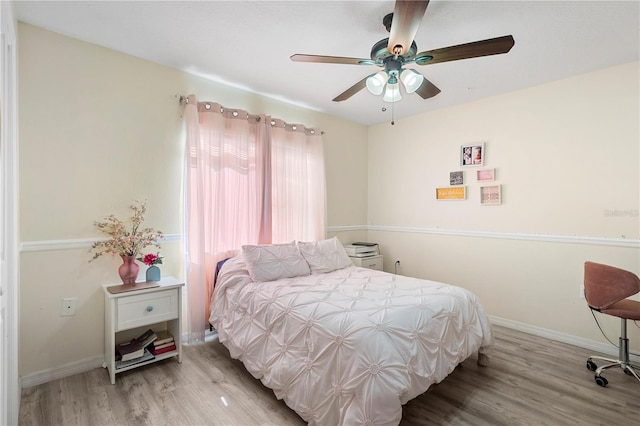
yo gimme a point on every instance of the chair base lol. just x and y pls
(628, 368)
(622, 361)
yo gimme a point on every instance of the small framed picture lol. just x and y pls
(449, 193)
(491, 195)
(472, 155)
(456, 178)
(486, 174)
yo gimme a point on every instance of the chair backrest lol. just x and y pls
(605, 285)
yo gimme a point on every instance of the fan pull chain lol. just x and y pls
(384, 109)
(393, 122)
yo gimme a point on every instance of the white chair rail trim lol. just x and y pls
(570, 239)
(72, 244)
(46, 245)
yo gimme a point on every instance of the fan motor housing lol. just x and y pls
(379, 52)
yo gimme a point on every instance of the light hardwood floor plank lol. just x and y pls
(530, 381)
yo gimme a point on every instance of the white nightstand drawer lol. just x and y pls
(143, 309)
(371, 262)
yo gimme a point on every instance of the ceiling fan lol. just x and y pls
(399, 49)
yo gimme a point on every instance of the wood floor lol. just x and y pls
(530, 381)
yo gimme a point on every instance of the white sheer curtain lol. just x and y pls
(224, 197)
(297, 184)
(249, 180)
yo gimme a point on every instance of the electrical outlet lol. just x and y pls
(581, 291)
(398, 264)
(68, 306)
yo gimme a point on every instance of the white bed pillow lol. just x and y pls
(274, 261)
(325, 255)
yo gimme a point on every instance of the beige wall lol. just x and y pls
(566, 154)
(99, 129)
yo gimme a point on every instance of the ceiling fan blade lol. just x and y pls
(331, 59)
(352, 90)
(427, 89)
(492, 46)
(407, 16)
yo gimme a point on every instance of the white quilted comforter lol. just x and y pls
(347, 347)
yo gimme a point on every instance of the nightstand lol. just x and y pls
(131, 313)
(371, 262)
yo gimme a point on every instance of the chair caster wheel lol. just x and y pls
(591, 366)
(601, 381)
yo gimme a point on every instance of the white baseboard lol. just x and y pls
(592, 345)
(62, 371)
(87, 364)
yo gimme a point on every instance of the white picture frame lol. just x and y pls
(456, 178)
(458, 193)
(472, 155)
(486, 175)
(491, 195)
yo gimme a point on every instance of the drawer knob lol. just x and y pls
(149, 308)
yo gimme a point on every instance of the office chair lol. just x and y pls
(606, 289)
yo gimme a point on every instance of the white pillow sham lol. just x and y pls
(325, 255)
(274, 261)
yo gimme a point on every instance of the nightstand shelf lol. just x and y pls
(130, 313)
(151, 361)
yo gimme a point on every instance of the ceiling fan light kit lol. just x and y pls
(387, 81)
(400, 49)
(411, 79)
(392, 92)
(376, 82)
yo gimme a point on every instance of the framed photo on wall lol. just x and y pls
(472, 155)
(451, 193)
(486, 174)
(456, 178)
(491, 195)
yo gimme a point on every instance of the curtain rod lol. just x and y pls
(185, 100)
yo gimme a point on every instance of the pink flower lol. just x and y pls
(151, 259)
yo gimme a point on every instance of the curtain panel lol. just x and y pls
(250, 179)
(298, 192)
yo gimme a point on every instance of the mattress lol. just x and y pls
(349, 346)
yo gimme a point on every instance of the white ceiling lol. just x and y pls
(247, 44)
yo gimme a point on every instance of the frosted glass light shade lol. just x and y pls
(375, 83)
(392, 93)
(411, 80)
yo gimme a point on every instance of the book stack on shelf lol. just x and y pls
(164, 343)
(362, 249)
(135, 351)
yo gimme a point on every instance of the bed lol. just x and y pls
(340, 344)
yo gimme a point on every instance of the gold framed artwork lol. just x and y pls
(472, 155)
(491, 195)
(451, 193)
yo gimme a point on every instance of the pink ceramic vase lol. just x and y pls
(129, 269)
